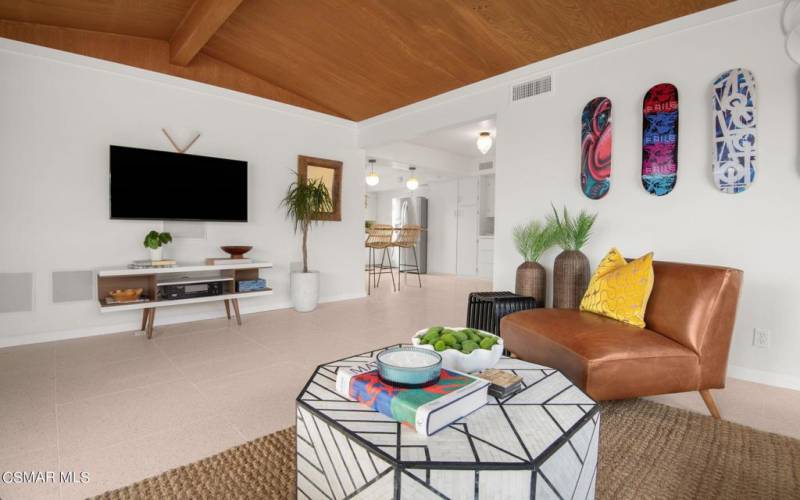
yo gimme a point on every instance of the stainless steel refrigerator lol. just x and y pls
(412, 211)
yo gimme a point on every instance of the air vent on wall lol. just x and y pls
(486, 165)
(532, 88)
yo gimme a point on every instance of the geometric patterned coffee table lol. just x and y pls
(539, 443)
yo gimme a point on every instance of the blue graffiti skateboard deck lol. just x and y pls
(735, 121)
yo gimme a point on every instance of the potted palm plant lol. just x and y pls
(532, 240)
(571, 269)
(304, 199)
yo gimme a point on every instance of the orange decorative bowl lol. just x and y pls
(127, 295)
(236, 252)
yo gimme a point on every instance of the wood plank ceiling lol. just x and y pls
(350, 58)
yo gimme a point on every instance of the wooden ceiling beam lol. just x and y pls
(201, 21)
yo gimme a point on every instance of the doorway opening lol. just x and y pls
(443, 182)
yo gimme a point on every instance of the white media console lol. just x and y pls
(151, 279)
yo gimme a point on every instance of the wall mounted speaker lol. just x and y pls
(69, 286)
(16, 292)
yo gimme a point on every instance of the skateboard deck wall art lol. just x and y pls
(596, 148)
(660, 139)
(735, 122)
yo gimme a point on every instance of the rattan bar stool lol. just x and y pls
(407, 238)
(379, 238)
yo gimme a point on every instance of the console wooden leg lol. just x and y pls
(151, 319)
(710, 403)
(236, 311)
(145, 318)
(228, 308)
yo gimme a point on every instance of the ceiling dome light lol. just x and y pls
(412, 182)
(484, 142)
(372, 178)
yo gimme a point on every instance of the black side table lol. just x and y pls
(486, 309)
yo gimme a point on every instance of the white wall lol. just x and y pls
(60, 112)
(423, 156)
(371, 210)
(537, 161)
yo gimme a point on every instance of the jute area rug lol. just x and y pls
(647, 450)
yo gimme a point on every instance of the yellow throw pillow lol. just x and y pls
(620, 290)
(611, 261)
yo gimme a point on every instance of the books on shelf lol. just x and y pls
(503, 383)
(221, 261)
(428, 409)
(146, 264)
(110, 301)
(251, 285)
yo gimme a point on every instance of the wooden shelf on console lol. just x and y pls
(112, 279)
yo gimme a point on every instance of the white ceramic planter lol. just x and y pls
(305, 291)
(156, 254)
(477, 360)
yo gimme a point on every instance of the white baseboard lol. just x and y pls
(52, 336)
(764, 377)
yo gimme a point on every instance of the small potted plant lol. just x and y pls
(532, 240)
(571, 271)
(304, 199)
(154, 241)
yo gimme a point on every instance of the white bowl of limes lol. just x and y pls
(462, 349)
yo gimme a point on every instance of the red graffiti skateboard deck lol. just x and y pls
(596, 148)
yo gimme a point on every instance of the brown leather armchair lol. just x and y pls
(689, 317)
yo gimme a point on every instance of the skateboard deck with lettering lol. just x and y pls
(660, 139)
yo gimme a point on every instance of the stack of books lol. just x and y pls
(112, 301)
(221, 261)
(251, 285)
(503, 383)
(426, 410)
(147, 264)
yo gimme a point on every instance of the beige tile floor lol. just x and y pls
(123, 408)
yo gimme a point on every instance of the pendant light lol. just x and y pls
(484, 142)
(372, 178)
(412, 183)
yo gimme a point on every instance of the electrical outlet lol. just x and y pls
(761, 338)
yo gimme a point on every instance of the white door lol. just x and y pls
(467, 247)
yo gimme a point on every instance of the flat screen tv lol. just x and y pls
(158, 185)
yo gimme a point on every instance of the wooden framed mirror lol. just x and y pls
(330, 173)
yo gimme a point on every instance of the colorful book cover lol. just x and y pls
(426, 409)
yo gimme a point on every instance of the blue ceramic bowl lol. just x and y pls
(409, 366)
